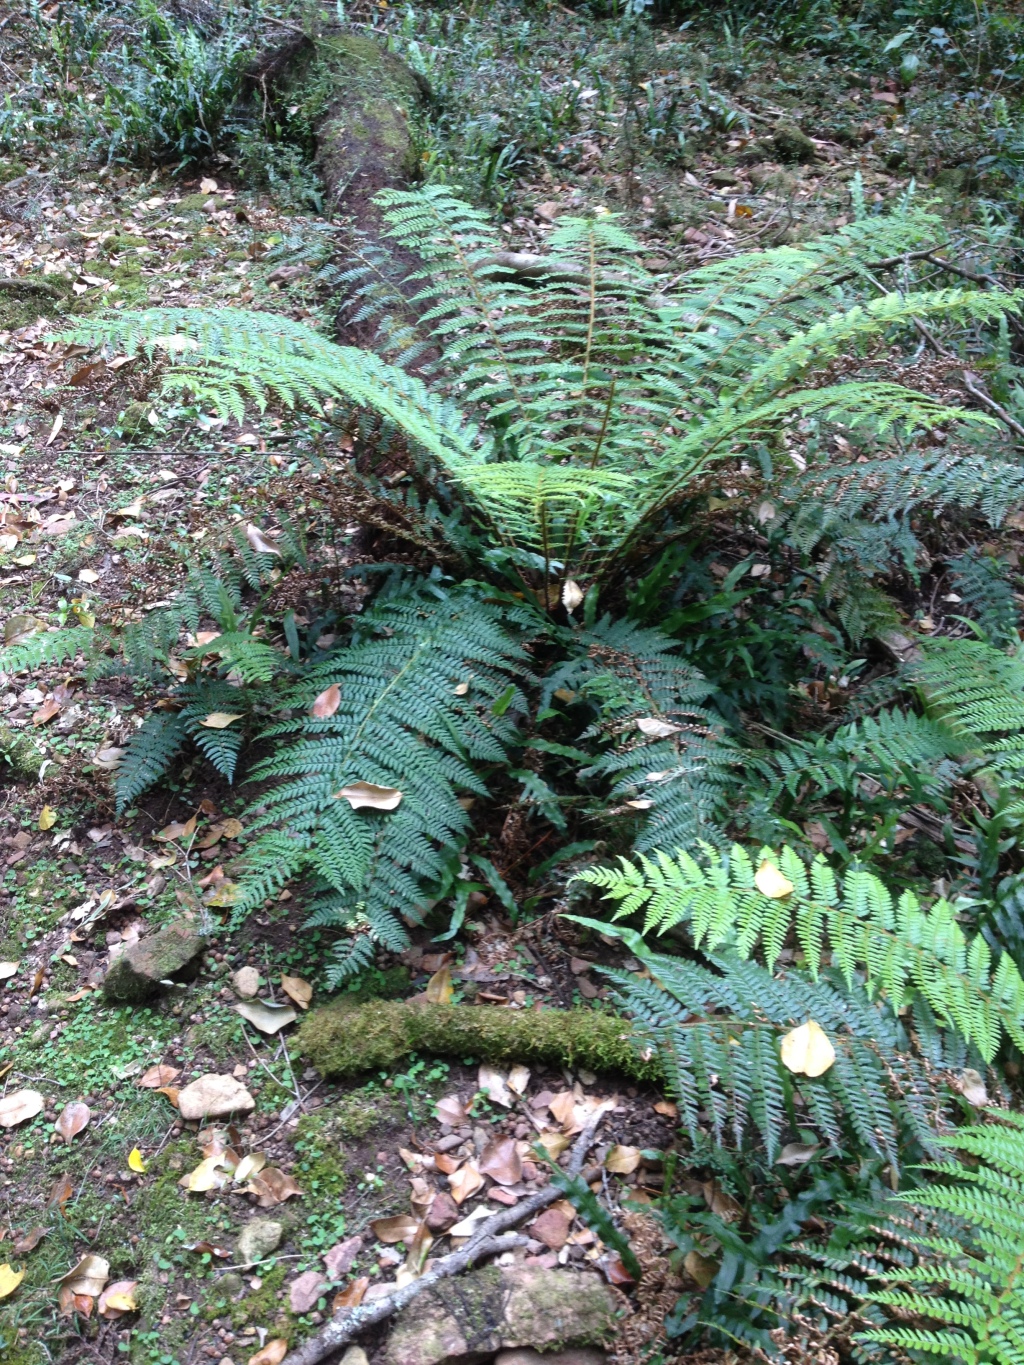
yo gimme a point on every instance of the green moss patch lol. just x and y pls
(345, 1038)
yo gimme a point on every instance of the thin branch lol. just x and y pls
(973, 386)
(491, 1239)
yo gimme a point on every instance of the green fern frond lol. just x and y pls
(48, 647)
(403, 722)
(905, 950)
(148, 755)
(970, 1286)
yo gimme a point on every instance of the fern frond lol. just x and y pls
(148, 755)
(904, 949)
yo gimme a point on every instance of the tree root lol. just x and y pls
(491, 1239)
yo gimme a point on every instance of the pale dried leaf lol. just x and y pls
(72, 1119)
(298, 990)
(500, 1160)
(327, 703)
(88, 1276)
(9, 1280)
(220, 720)
(259, 541)
(771, 883)
(807, 1050)
(623, 1160)
(439, 988)
(19, 1107)
(158, 1076)
(266, 1015)
(465, 1182)
(518, 1079)
(451, 1110)
(492, 1083)
(359, 794)
(402, 1228)
(272, 1354)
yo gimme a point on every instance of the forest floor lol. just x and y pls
(108, 489)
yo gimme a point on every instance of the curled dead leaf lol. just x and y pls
(220, 720)
(492, 1083)
(622, 1160)
(771, 882)
(349, 1297)
(272, 1187)
(117, 1299)
(29, 1241)
(259, 541)
(271, 1354)
(402, 1228)
(327, 703)
(19, 1107)
(159, 1075)
(465, 1182)
(298, 990)
(73, 1118)
(359, 794)
(88, 1276)
(451, 1110)
(266, 1015)
(439, 988)
(500, 1160)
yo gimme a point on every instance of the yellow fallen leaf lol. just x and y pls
(771, 883)
(136, 1162)
(622, 1160)
(47, 818)
(9, 1280)
(807, 1050)
(439, 988)
(220, 720)
(298, 990)
(272, 1354)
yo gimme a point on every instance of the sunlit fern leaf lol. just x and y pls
(903, 949)
(969, 1285)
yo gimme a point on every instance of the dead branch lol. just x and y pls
(486, 1241)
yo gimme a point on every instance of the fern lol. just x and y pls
(152, 749)
(575, 409)
(906, 952)
(405, 722)
(968, 1285)
(981, 580)
(718, 1035)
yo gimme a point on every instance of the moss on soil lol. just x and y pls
(344, 1039)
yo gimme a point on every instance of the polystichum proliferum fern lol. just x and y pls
(906, 951)
(426, 693)
(964, 1299)
(574, 409)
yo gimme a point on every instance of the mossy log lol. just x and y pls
(345, 1038)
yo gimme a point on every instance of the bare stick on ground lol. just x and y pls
(491, 1239)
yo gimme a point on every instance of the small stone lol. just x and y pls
(258, 1239)
(305, 1290)
(339, 1260)
(355, 1355)
(722, 179)
(500, 1196)
(443, 1212)
(214, 1097)
(246, 982)
(793, 144)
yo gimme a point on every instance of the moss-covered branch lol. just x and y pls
(346, 1038)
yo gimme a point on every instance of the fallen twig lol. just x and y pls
(486, 1241)
(974, 388)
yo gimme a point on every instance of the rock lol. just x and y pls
(723, 178)
(214, 1097)
(340, 1259)
(246, 982)
(525, 1355)
(305, 1290)
(257, 1240)
(793, 144)
(171, 954)
(443, 1212)
(231, 1285)
(505, 1308)
(355, 1355)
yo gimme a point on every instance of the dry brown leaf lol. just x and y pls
(797, 1153)
(159, 1075)
(465, 1182)
(563, 1107)
(553, 1142)
(171, 1091)
(667, 1108)
(402, 1228)
(46, 712)
(176, 830)
(273, 1187)
(351, 1296)
(298, 990)
(220, 720)
(451, 1110)
(500, 1160)
(117, 1299)
(701, 1268)
(249, 1166)
(327, 703)
(29, 1241)
(259, 541)
(19, 1107)
(212, 1173)
(492, 1083)
(519, 1079)
(623, 1160)
(359, 794)
(72, 1119)
(446, 1163)
(439, 988)
(972, 1087)
(60, 1192)
(272, 1354)
(721, 1204)
(88, 1276)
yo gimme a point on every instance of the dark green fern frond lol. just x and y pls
(983, 583)
(416, 714)
(49, 647)
(148, 755)
(905, 950)
(718, 1034)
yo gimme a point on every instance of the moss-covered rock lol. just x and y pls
(171, 954)
(19, 755)
(344, 1039)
